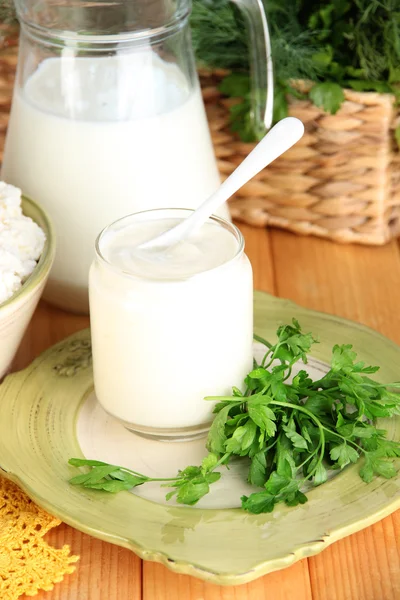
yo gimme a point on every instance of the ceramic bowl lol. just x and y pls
(16, 312)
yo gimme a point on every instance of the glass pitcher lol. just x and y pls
(107, 119)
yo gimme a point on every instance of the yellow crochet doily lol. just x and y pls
(27, 563)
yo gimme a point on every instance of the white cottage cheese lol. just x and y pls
(21, 242)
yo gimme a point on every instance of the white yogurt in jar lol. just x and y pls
(165, 335)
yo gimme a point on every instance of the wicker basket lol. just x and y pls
(341, 181)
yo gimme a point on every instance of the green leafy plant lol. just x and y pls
(335, 44)
(291, 430)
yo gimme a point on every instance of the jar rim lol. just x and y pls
(163, 212)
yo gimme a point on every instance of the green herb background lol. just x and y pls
(335, 43)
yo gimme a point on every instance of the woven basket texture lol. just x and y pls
(341, 181)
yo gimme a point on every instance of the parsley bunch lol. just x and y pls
(291, 430)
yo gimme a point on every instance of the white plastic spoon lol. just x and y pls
(279, 139)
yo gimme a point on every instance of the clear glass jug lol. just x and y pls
(107, 119)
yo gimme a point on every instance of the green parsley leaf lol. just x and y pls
(277, 483)
(297, 440)
(376, 465)
(328, 96)
(258, 468)
(113, 486)
(264, 417)
(242, 438)
(235, 85)
(343, 357)
(212, 477)
(259, 502)
(217, 436)
(83, 462)
(296, 498)
(236, 392)
(209, 462)
(94, 476)
(191, 492)
(285, 462)
(320, 474)
(388, 449)
(344, 454)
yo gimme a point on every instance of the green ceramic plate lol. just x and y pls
(48, 415)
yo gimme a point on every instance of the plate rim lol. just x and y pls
(182, 567)
(190, 568)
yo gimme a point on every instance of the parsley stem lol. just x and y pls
(381, 385)
(271, 446)
(146, 476)
(272, 349)
(262, 340)
(319, 461)
(344, 438)
(162, 479)
(319, 390)
(301, 409)
(233, 399)
(133, 472)
(288, 374)
(267, 366)
(221, 461)
(329, 430)
(309, 458)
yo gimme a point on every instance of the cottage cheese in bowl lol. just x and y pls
(27, 249)
(21, 242)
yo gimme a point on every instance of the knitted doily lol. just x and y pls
(27, 563)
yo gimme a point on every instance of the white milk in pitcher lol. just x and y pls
(94, 139)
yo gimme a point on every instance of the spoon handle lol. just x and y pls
(279, 139)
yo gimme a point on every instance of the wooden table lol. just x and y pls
(361, 283)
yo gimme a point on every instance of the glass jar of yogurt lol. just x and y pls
(168, 333)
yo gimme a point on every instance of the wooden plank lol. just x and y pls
(104, 571)
(161, 584)
(258, 249)
(360, 283)
(364, 566)
(357, 282)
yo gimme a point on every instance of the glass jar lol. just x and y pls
(108, 119)
(165, 336)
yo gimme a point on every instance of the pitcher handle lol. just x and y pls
(262, 92)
